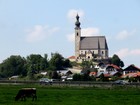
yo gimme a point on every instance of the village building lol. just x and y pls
(131, 69)
(72, 58)
(108, 70)
(88, 48)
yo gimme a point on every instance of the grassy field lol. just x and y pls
(72, 96)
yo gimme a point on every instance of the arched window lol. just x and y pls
(77, 33)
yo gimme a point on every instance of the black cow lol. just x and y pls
(26, 92)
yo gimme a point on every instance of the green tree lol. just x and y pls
(82, 77)
(14, 65)
(55, 75)
(44, 62)
(56, 62)
(86, 64)
(77, 77)
(85, 77)
(117, 61)
(121, 63)
(67, 63)
(37, 62)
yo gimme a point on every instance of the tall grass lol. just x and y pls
(51, 95)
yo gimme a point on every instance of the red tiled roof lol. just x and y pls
(93, 73)
(107, 75)
(132, 75)
(115, 66)
(71, 57)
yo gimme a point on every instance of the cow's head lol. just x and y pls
(17, 98)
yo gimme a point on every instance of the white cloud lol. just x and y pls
(129, 56)
(135, 52)
(123, 53)
(85, 32)
(72, 14)
(90, 31)
(39, 33)
(126, 52)
(125, 34)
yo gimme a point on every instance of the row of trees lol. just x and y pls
(35, 63)
(32, 64)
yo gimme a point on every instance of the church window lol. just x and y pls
(77, 33)
(102, 52)
(93, 53)
(88, 57)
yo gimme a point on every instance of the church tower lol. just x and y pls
(77, 37)
(89, 48)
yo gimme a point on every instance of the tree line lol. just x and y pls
(32, 64)
(35, 63)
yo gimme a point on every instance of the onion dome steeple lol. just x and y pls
(77, 23)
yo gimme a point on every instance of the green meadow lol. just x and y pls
(53, 95)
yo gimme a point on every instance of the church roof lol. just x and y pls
(93, 43)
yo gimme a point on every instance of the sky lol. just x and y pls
(47, 26)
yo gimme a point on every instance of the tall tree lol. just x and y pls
(117, 61)
(55, 75)
(14, 65)
(56, 61)
(67, 63)
(37, 62)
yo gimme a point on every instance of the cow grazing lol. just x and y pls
(26, 92)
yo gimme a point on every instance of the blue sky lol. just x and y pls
(45, 26)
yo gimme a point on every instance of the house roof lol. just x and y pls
(93, 73)
(131, 75)
(114, 66)
(71, 57)
(106, 74)
(132, 68)
(94, 42)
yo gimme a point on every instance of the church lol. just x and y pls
(89, 48)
